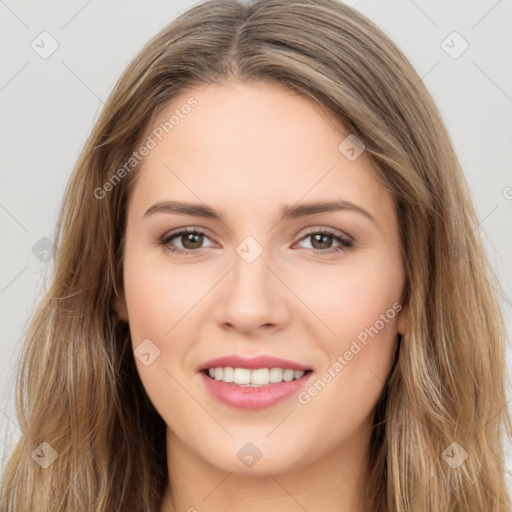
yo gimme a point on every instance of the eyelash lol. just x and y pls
(346, 244)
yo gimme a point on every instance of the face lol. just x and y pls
(318, 288)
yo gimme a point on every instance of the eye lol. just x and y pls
(321, 240)
(192, 240)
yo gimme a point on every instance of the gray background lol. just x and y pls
(49, 106)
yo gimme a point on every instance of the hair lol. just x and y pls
(77, 385)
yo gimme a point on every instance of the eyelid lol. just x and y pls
(185, 230)
(341, 237)
(204, 231)
(333, 231)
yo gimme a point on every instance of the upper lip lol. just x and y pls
(237, 361)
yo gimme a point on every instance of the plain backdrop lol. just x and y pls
(50, 104)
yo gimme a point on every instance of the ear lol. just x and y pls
(402, 318)
(121, 308)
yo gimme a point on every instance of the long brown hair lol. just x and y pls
(78, 389)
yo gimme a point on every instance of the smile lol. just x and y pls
(253, 388)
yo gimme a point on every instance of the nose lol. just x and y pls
(252, 298)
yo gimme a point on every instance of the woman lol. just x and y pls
(268, 292)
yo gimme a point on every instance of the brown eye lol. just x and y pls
(322, 242)
(190, 240)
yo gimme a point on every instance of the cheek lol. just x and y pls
(158, 302)
(360, 306)
(159, 298)
(343, 397)
(352, 297)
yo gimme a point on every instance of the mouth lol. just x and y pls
(253, 389)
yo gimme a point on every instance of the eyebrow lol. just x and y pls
(287, 212)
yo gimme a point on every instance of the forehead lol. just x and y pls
(241, 144)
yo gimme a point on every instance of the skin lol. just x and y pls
(247, 150)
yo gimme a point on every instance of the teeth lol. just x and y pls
(276, 375)
(241, 375)
(254, 378)
(288, 375)
(260, 377)
(228, 375)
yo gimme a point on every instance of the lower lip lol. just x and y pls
(254, 398)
